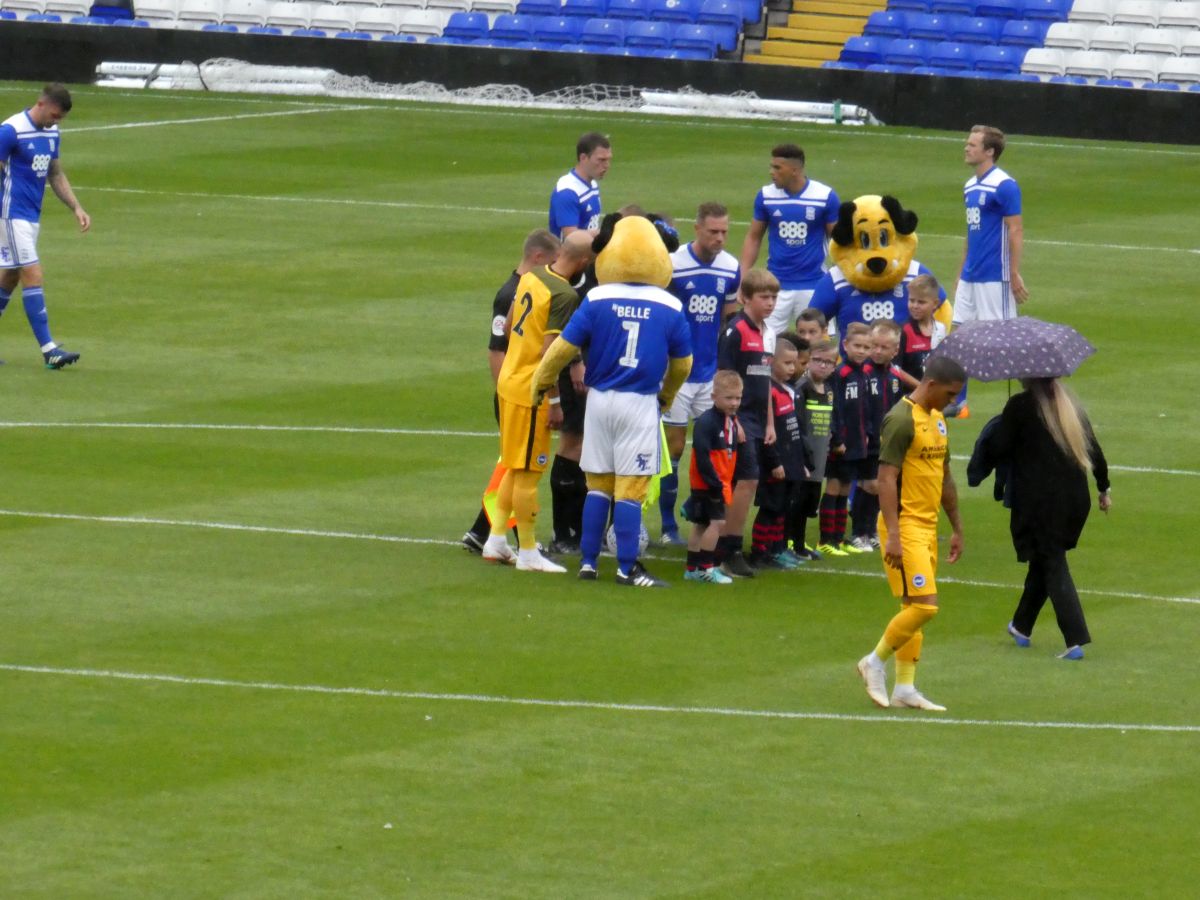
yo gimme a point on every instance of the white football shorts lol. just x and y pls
(693, 400)
(620, 434)
(983, 301)
(18, 243)
(788, 305)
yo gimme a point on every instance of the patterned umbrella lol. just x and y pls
(1023, 347)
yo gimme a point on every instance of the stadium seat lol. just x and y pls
(977, 30)
(721, 14)
(138, 23)
(1019, 33)
(399, 38)
(261, 29)
(862, 50)
(682, 11)
(539, 8)
(1162, 86)
(698, 38)
(1110, 37)
(1113, 82)
(288, 15)
(752, 10)
(907, 52)
(1165, 41)
(450, 6)
(1069, 35)
(998, 58)
(43, 17)
(1191, 44)
(512, 28)
(426, 22)
(1180, 14)
(887, 23)
(1045, 61)
(554, 30)
(36, 6)
(931, 26)
(1099, 11)
(1194, 88)
(309, 32)
(225, 27)
(353, 36)
(952, 55)
(584, 9)
(192, 13)
(332, 18)
(1090, 63)
(8, 15)
(1045, 10)
(629, 10)
(953, 7)
(911, 6)
(403, 4)
(998, 9)
(1136, 12)
(466, 25)
(494, 6)
(97, 20)
(68, 9)
(378, 20)
(246, 12)
(888, 69)
(647, 35)
(1068, 79)
(1184, 69)
(603, 33)
(1135, 67)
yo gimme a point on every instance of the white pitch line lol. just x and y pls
(307, 111)
(727, 712)
(413, 432)
(398, 539)
(509, 210)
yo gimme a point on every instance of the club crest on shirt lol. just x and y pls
(919, 581)
(498, 326)
(541, 460)
(720, 285)
(810, 213)
(941, 425)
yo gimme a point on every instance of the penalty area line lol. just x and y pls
(651, 708)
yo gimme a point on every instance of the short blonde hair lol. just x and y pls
(759, 281)
(923, 284)
(854, 329)
(726, 380)
(825, 345)
(888, 327)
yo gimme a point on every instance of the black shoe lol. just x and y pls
(563, 548)
(473, 542)
(639, 577)
(765, 562)
(59, 357)
(587, 572)
(735, 564)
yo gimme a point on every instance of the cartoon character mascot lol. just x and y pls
(873, 247)
(637, 344)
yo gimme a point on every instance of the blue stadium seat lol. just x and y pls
(538, 8)
(1162, 86)
(953, 7)
(585, 9)
(557, 30)
(889, 68)
(689, 54)
(142, 23)
(952, 55)
(725, 17)
(466, 25)
(998, 58)
(838, 64)
(1046, 10)
(1194, 87)
(400, 38)
(907, 52)
(683, 11)
(263, 29)
(91, 20)
(629, 9)
(210, 26)
(353, 36)
(43, 17)
(698, 38)
(604, 33)
(1022, 33)
(977, 30)
(861, 50)
(887, 23)
(1114, 82)
(648, 35)
(512, 27)
(308, 32)
(999, 9)
(7, 14)
(751, 10)
(931, 26)
(920, 6)
(1068, 79)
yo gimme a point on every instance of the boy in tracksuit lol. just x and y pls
(814, 394)
(887, 387)
(849, 443)
(716, 435)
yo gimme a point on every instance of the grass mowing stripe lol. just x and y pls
(504, 210)
(880, 718)
(306, 111)
(400, 539)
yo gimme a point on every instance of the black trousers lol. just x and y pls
(1049, 577)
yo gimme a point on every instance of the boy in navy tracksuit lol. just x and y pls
(849, 444)
(715, 438)
(786, 462)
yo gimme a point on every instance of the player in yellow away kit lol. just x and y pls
(542, 307)
(914, 480)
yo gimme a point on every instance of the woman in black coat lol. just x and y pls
(1045, 439)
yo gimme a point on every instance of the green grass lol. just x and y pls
(336, 270)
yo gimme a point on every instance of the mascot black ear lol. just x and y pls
(843, 231)
(670, 237)
(600, 241)
(904, 220)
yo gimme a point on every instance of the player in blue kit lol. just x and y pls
(575, 202)
(837, 298)
(797, 214)
(706, 279)
(29, 148)
(638, 355)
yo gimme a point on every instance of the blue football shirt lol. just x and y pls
(704, 289)
(26, 152)
(796, 235)
(575, 203)
(988, 200)
(629, 331)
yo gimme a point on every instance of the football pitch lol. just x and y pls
(244, 655)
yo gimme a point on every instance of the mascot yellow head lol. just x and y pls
(874, 242)
(634, 250)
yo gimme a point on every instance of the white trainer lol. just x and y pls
(535, 562)
(876, 681)
(914, 699)
(502, 554)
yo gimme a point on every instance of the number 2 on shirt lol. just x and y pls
(528, 301)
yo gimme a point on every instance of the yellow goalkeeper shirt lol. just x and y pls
(914, 441)
(543, 306)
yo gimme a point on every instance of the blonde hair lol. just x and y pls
(1061, 413)
(726, 380)
(854, 329)
(886, 326)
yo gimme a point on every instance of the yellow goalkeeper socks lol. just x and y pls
(903, 626)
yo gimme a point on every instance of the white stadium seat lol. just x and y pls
(331, 17)
(404, 4)
(1164, 41)
(1183, 69)
(199, 12)
(1090, 63)
(246, 12)
(1044, 61)
(1118, 38)
(1092, 11)
(360, 3)
(67, 8)
(1137, 12)
(1069, 35)
(1180, 14)
(23, 6)
(427, 22)
(1137, 66)
(287, 14)
(494, 6)
(451, 5)
(375, 20)
(1191, 44)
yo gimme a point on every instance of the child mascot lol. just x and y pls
(874, 245)
(637, 344)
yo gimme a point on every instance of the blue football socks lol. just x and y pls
(627, 522)
(35, 310)
(595, 523)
